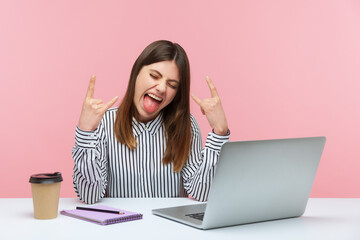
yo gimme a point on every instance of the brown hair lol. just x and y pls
(176, 115)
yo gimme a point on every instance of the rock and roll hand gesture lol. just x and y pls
(212, 108)
(93, 109)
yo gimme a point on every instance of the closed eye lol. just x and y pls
(154, 76)
(173, 84)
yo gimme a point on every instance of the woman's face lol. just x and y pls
(155, 87)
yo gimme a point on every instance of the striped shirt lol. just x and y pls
(103, 167)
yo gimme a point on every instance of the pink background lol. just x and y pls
(282, 68)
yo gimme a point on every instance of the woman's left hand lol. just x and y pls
(212, 108)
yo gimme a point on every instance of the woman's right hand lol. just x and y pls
(93, 109)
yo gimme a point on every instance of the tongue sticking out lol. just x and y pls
(150, 104)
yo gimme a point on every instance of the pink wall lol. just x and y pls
(283, 69)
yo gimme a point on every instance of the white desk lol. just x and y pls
(324, 219)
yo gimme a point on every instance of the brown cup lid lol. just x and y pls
(45, 178)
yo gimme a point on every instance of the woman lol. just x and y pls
(151, 145)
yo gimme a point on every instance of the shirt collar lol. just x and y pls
(152, 126)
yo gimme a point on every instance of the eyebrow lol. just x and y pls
(172, 80)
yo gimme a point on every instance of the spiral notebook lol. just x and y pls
(101, 217)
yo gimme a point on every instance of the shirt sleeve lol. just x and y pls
(199, 169)
(90, 164)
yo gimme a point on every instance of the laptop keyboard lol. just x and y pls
(198, 216)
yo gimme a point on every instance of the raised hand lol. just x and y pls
(212, 108)
(93, 109)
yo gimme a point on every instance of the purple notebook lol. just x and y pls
(100, 217)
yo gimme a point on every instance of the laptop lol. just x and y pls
(255, 181)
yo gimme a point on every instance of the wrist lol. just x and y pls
(86, 128)
(222, 132)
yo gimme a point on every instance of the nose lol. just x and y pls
(161, 87)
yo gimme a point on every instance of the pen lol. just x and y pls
(99, 210)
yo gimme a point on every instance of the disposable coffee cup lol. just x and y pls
(45, 189)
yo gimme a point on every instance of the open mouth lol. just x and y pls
(151, 102)
(154, 97)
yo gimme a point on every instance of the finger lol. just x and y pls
(213, 91)
(95, 101)
(111, 102)
(196, 99)
(91, 87)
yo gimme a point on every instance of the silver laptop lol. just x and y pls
(255, 181)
